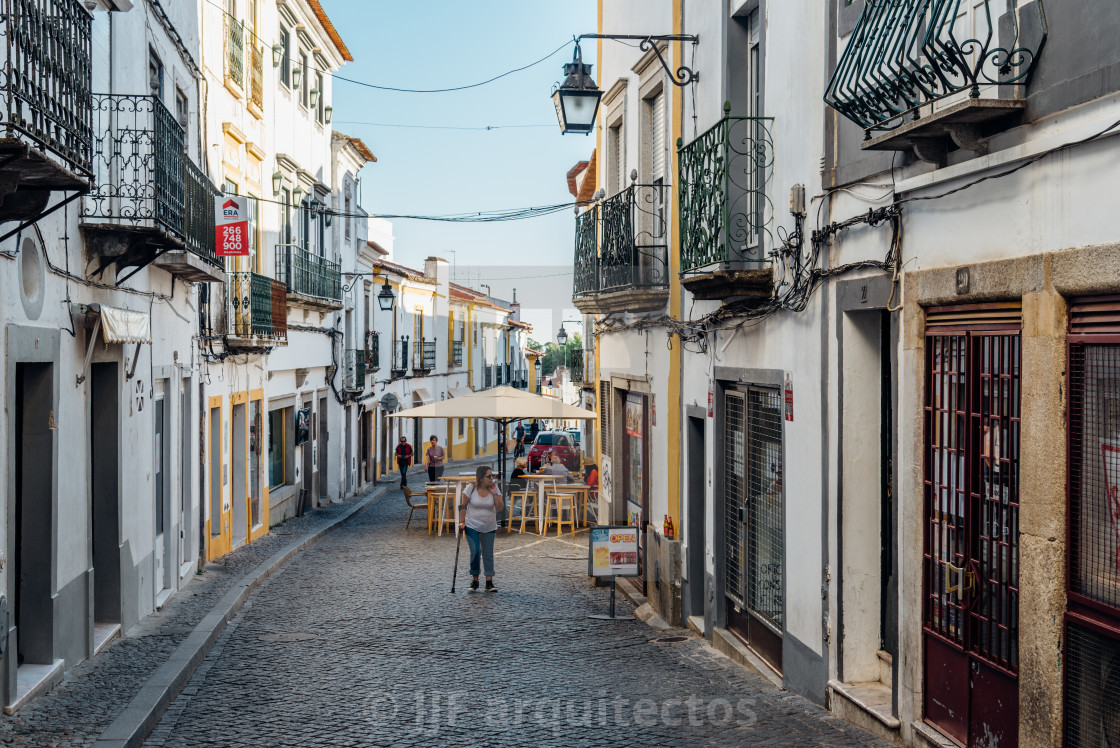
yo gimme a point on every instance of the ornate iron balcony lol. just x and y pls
(724, 211)
(424, 355)
(456, 353)
(198, 223)
(235, 52)
(138, 159)
(355, 368)
(632, 249)
(904, 54)
(586, 268)
(487, 377)
(257, 308)
(400, 355)
(308, 274)
(256, 76)
(46, 84)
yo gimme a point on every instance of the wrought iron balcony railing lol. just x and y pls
(257, 307)
(630, 249)
(724, 210)
(46, 84)
(456, 353)
(400, 355)
(144, 179)
(308, 274)
(904, 54)
(235, 52)
(575, 369)
(487, 377)
(256, 75)
(198, 223)
(586, 268)
(355, 368)
(424, 355)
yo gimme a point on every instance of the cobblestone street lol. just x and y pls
(388, 656)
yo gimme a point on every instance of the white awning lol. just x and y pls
(125, 325)
(420, 396)
(459, 391)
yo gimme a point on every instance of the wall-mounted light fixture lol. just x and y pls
(277, 182)
(328, 113)
(277, 54)
(297, 73)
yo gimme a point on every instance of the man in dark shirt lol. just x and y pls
(404, 459)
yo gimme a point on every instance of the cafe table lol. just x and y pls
(459, 482)
(544, 484)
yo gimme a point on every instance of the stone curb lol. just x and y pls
(133, 726)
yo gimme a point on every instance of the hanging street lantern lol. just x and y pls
(562, 336)
(577, 100)
(386, 297)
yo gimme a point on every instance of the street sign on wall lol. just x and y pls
(231, 234)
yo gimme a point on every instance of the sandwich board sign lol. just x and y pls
(231, 234)
(612, 551)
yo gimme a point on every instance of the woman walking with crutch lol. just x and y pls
(478, 519)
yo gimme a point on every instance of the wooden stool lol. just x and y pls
(445, 514)
(562, 502)
(529, 511)
(513, 497)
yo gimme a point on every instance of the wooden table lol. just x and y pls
(545, 483)
(459, 482)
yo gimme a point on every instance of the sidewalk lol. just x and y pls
(96, 692)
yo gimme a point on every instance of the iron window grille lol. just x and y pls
(724, 211)
(256, 75)
(356, 368)
(373, 351)
(400, 355)
(235, 52)
(424, 355)
(456, 353)
(905, 54)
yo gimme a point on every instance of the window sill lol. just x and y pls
(231, 86)
(255, 110)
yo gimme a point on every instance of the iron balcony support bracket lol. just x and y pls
(682, 76)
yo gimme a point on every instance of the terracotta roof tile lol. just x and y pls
(321, 14)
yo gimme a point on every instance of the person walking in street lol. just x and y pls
(404, 459)
(478, 518)
(534, 429)
(434, 455)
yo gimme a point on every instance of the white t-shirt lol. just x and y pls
(482, 515)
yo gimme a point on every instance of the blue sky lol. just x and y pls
(445, 43)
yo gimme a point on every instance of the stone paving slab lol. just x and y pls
(358, 641)
(97, 691)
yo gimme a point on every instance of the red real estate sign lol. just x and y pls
(231, 232)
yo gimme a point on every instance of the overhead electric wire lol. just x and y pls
(395, 89)
(440, 127)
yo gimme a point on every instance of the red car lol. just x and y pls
(559, 443)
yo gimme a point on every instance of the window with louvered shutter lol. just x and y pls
(657, 136)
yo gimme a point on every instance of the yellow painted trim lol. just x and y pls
(672, 409)
(255, 151)
(220, 544)
(234, 132)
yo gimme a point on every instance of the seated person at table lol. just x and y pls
(555, 467)
(517, 480)
(591, 476)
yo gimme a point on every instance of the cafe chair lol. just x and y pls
(561, 502)
(525, 496)
(411, 506)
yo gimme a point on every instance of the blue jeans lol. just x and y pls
(481, 544)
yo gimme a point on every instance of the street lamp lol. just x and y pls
(277, 182)
(386, 297)
(562, 336)
(577, 100)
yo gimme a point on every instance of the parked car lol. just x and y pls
(559, 443)
(574, 433)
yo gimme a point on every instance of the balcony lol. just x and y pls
(151, 203)
(424, 356)
(256, 312)
(456, 354)
(724, 211)
(256, 80)
(355, 368)
(400, 356)
(312, 280)
(46, 141)
(621, 252)
(487, 377)
(935, 79)
(505, 374)
(235, 54)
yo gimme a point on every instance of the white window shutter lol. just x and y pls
(657, 121)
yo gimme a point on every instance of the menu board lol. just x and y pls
(613, 552)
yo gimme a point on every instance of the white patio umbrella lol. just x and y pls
(501, 405)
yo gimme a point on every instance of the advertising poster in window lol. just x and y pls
(613, 552)
(1110, 454)
(303, 425)
(634, 415)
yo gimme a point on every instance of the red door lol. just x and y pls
(971, 564)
